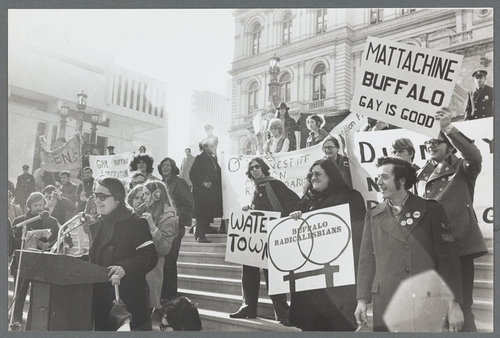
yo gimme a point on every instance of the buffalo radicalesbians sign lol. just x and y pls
(247, 237)
(111, 165)
(312, 252)
(404, 85)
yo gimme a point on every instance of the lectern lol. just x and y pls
(61, 291)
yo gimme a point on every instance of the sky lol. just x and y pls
(190, 49)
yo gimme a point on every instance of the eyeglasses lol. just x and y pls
(254, 167)
(98, 195)
(315, 173)
(434, 143)
(328, 147)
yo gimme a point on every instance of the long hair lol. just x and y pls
(263, 166)
(182, 315)
(132, 193)
(175, 170)
(158, 207)
(335, 182)
(146, 158)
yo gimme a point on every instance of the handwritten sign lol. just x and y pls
(111, 165)
(311, 253)
(404, 85)
(66, 157)
(247, 237)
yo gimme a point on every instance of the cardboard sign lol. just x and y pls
(365, 148)
(66, 157)
(311, 253)
(111, 165)
(404, 85)
(247, 237)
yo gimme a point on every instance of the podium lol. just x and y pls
(61, 291)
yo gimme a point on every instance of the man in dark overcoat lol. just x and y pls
(24, 187)
(404, 236)
(205, 175)
(480, 101)
(451, 180)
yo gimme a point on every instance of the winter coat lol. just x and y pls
(208, 201)
(396, 248)
(452, 183)
(122, 238)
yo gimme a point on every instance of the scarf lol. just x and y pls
(270, 192)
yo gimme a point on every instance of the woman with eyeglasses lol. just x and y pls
(122, 242)
(329, 309)
(277, 143)
(331, 148)
(163, 221)
(269, 194)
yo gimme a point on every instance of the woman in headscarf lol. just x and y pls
(162, 220)
(270, 194)
(329, 309)
(123, 244)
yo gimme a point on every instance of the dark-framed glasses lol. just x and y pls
(433, 142)
(99, 195)
(254, 167)
(328, 147)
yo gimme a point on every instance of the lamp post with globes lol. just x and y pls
(94, 120)
(274, 85)
(63, 112)
(81, 104)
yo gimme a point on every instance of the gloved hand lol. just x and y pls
(119, 313)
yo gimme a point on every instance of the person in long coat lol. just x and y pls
(121, 242)
(205, 175)
(404, 236)
(329, 309)
(270, 194)
(480, 101)
(182, 197)
(24, 187)
(451, 180)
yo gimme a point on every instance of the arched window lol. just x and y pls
(248, 150)
(319, 89)
(285, 87)
(253, 94)
(321, 20)
(287, 29)
(256, 39)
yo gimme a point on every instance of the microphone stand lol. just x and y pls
(23, 238)
(65, 225)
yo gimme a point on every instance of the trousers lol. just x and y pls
(169, 287)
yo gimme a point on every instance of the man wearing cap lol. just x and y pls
(209, 130)
(451, 180)
(111, 150)
(24, 187)
(480, 101)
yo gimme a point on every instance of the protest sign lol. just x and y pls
(404, 85)
(365, 148)
(291, 168)
(111, 165)
(311, 253)
(67, 157)
(247, 237)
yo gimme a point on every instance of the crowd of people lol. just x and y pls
(425, 222)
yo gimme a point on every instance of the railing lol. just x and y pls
(317, 104)
(461, 37)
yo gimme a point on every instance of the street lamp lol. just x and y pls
(274, 85)
(63, 112)
(94, 120)
(81, 104)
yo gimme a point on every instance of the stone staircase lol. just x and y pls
(215, 286)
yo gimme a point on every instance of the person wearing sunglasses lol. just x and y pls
(122, 243)
(277, 143)
(450, 180)
(329, 309)
(270, 194)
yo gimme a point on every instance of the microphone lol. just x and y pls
(115, 281)
(43, 215)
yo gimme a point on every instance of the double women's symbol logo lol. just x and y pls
(320, 239)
